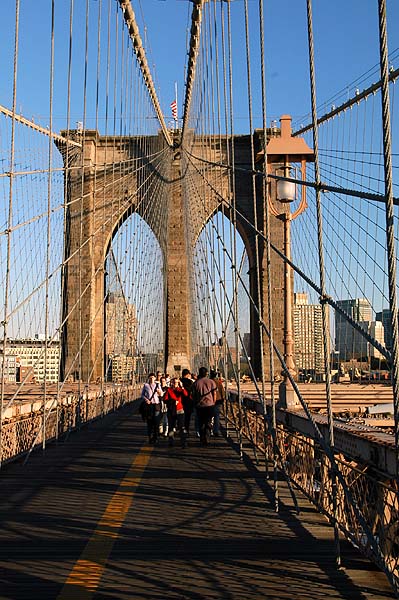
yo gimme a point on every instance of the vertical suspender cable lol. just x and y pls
(322, 270)
(9, 221)
(97, 166)
(213, 152)
(227, 150)
(82, 193)
(107, 85)
(68, 159)
(234, 226)
(220, 255)
(113, 149)
(266, 228)
(389, 207)
(254, 203)
(48, 249)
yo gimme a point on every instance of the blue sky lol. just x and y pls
(346, 43)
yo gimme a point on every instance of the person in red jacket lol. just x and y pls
(173, 398)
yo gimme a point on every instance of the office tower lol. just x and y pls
(348, 341)
(35, 361)
(376, 330)
(385, 317)
(308, 335)
(121, 336)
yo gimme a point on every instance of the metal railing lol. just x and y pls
(24, 433)
(368, 516)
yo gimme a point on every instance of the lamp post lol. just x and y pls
(281, 153)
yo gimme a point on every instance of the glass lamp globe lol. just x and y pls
(286, 191)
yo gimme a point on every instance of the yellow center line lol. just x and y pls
(85, 576)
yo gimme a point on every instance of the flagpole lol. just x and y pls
(177, 115)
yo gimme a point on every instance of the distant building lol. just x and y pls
(32, 358)
(210, 356)
(40, 336)
(376, 330)
(121, 325)
(121, 335)
(10, 369)
(308, 335)
(246, 340)
(357, 308)
(385, 317)
(121, 368)
(301, 298)
(348, 341)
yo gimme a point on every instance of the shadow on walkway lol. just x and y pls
(201, 524)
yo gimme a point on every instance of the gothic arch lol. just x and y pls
(104, 187)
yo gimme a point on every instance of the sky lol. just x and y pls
(346, 46)
(345, 37)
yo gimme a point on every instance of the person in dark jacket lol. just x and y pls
(204, 396)
(188, 404)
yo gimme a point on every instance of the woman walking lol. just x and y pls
(173, 398)
(163, 427)
(152, 402)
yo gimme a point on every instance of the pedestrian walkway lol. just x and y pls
(105, 516)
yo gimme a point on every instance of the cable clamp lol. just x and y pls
(325, 299)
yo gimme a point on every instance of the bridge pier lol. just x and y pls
(103, 187)
(178, 355)
(101, 193)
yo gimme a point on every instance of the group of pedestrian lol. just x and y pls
(167, 405)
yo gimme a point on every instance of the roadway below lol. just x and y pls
(347, 397)
(105, 516)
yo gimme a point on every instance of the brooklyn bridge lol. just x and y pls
(247, 222)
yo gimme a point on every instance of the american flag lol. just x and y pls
(173, 106)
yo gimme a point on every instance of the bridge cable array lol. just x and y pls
(85, 235)
(353, 266)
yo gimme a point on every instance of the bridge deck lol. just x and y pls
(105, 517)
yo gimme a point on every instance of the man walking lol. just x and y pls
(188, 402)
(204, 396)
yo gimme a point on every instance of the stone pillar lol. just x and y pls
(91, 221)
(178, 353)
(83, 274)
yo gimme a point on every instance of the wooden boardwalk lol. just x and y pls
(104, 516)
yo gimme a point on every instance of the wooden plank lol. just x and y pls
(201, 525)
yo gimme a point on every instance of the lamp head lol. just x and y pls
(286, 191)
